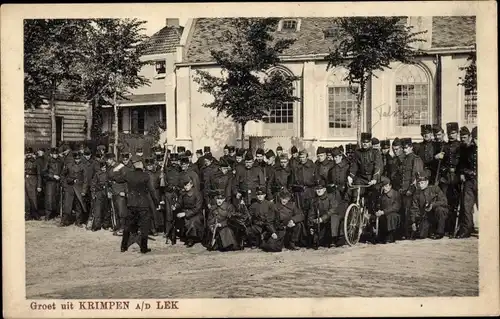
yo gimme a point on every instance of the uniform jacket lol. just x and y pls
(115, 177)
(263, 167)
(249, 179)
(78, 172)
(294, 161)
(326, 204)
(263, 215)
(397, 171)
(305, 174)
(468, 161)
(366, 165)
(388, 165)
(207, 173)
(323, 168)
(220, 181)
(221, 214)
(412, 167)
(99, 182)
(92, 165)
(155, 179)
(390, 202)
(338, 175)
(190, 202)
(194, 177)
(281, 178)
(450, 162)
(172, 178)
(32, 168)
(52, 167)
(426, 151)
(288, 212)
(140, 189)
(431, 195)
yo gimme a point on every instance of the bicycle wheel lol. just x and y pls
(353, 224)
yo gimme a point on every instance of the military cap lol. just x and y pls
(110, 155)
(226, 147)
(464, 130)
(248, 156)
(320, 150)
(232, 149)
(349, 148)
(279, 148)
(294, 150)
(384, 180)
(174, 156)
(240, 152)
(77, 155)
(341, 148)
(87, 151)
(284, 156)
(260, 190)
(149, 161)
(219, 193)
(270, 154)
(474, 132)
(125, 155)
(336, 152)
(101, 147)
(406, 141)
(284, 193)
(375, 141)
(436, 128)
(206, 149)
(396, 142)
(184, 160)
(54, 150)
(425, 129)
(451, 127)
(385, 144)
(259, 151)
(424, 176)
(329, 150)
(366, 137)
(303, 152)
(185, 179)
(188, 153)
(320, 183)
(181, 149)
(139, 150)
(28, 150)
(199, 151)
(208, 156)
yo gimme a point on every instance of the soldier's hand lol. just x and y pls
(408, 193)
(39, 189)
(372, 182)
(181, 214)
(56, 177)
(122, 194)
(439, 156)
(84, 194)
(462, 178)
(428, 208)
(291, 224)
(274, 236)
(110, 195)
(173, 207)
(209, 206)
(349, 180)
(238, 195)
(218, 225)
(379, 213)
(414, 227)
(162, 202)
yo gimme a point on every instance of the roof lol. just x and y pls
(447, 32)
(164, 41)
(144, 98)
(453, 31)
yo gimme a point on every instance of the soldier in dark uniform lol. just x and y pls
(99, 195)
(323, 212)
(260, 162)
(262, 216)
(199, 160)
(172, 188)
(186, 170)
(181, 150)
(294, 160)
(280, 180)
(75, 183)
(337, 177)
(247, 180)
(467, 168)
(140, 191)
(93, 166)
(139, 154)
(101, 149)
(349, 151)
(225, 152)
(323, 165)
(397, 164)
(289, 220)
(387, 161)
(156, 215)
(411, 168)
(118, 190)
(376, 143)
(270, 164)
(232, 153)
(210, 168)
(429, 208)
(52, 180)
(426, 149)
(388, 208)
(239, 163)
(32, 184)
(329, 154)
(219, 220)
(448, 177)
(279, 151)
(190, 212)
(304, 178)
(220, 182)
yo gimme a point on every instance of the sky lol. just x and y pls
(155, 24)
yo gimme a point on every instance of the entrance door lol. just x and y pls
(59, 129)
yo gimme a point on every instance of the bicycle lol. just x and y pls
(356, 217)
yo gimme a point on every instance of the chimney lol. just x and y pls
(172, 22)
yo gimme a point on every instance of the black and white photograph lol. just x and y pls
(171, 157)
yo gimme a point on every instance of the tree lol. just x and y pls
(469, 81)
(51, 48)
(245, 92)
(367, 45)
(113, 48)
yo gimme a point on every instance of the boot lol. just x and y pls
(190, 243)
(125, 239)
(292, 246)
(144, 245)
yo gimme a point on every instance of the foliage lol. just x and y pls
(245, 92)
(370, 44)
(154, 130)
(469, 81)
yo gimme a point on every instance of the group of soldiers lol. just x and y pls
(264, 200)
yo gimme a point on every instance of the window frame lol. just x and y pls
(159, 75)
(282, 22)
(473, 110)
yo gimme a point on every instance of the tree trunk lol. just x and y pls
(359, 103)
(243, 134)
(53, 131)
(115, 109)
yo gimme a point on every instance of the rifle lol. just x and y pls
(455, 230)
(114, 220)
(436, 181)
(90, 221)
(162, 171)
(212, 243)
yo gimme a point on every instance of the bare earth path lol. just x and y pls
(74, 263)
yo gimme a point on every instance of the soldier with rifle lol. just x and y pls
(169, 179)
(303, 181)
(33, 184)
(323, 213)
(51, 174)
(388, 207)
(99, 215)
(156, 215)
(221, 233)
(262, 216)
(118, 190)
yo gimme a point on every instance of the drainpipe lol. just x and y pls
(439, 71)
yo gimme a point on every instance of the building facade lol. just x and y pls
(397, 101)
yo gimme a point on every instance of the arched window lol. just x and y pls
(412, 98)
(282, 113)
(470, 107)
(341, 105)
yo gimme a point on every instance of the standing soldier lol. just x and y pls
(304, 179)
(376, 143)
(181, 150)
(172, 187)
(349, 151)
(32, 184)
(139, 154)
(99, 195)
(428, 207)
(210, 168)
(448, 178)
(280, 180)
(323, 211)
(141, 190)
(397, 167)
(279, 151)
(248, 179)
(220, 182)
(190, 212)
(270, 165)
(468, 176)
(156, 215)
(226, 152)
(294, 160)
(75, 176)
(329, 154)
(259, 161)
(52, 178)
(101, 150)
(426, 149)
(118, 190)
(387, 161)
(412, 167)
(323, 165)
(199, 160)
(337, 177)
(232, 153)
(239, 164)
(92, 167)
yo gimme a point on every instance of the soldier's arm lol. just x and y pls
(197, 208)
(440, 198)
(378, 167)
(353, 168)
(152, 190)
(395, 204)
(332, 207)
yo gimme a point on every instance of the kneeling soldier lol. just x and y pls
(389, 204)
(429, 208)
(290, 220)
(262, 218)
(221, 235)
(323, 213)
(190, 213)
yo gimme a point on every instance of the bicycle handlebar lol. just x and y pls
(359, 186)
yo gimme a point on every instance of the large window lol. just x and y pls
(470, 107)
(412, 100)
(341, 106)
(137, 121)
(282, 113)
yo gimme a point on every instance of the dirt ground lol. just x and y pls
(74, 263)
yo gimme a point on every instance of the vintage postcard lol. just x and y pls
(250, 159)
